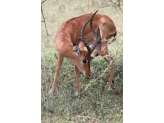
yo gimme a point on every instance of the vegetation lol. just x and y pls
(96, 104)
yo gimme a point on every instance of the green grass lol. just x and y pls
(96, 104)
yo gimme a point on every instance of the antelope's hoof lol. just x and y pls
(109, 90)
(76, 95)
(50, 92)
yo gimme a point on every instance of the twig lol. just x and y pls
(112, 40)
(95, 79)
(43, 1)
(44, 19)
(87, 86)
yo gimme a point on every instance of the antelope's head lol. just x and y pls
(85, 56)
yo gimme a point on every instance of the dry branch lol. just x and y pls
(43, 17)
(111, 41)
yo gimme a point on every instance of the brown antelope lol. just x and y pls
(70, 44)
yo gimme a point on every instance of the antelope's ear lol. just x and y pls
(76, 50)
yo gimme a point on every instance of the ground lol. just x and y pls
(96, 104)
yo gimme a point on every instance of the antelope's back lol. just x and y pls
(70, 30)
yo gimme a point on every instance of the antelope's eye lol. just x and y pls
(85, 61)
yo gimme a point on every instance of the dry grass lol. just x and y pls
(96, 104)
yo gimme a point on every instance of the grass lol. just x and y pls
(96, 104)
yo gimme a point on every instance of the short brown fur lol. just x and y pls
(70, 32)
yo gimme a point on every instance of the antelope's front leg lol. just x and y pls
(101, 49)
(110, 62)
(108, 59)
(59, 63)
(77, 80)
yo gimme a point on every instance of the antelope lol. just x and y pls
(70, 44)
